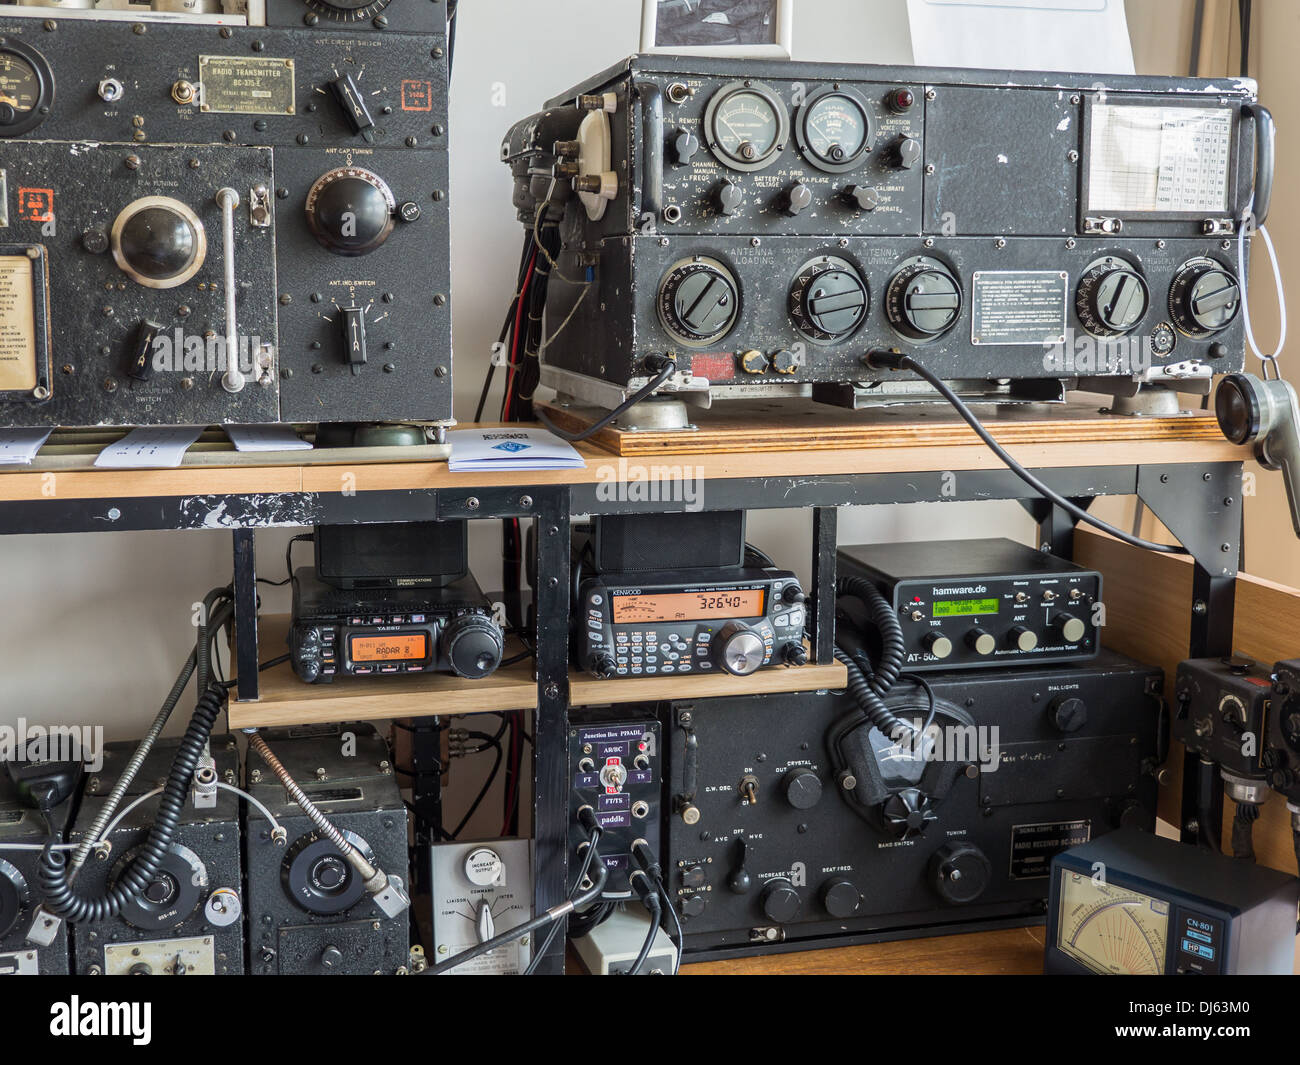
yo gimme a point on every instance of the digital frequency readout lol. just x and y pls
(400, 647)
(963, 608)
(689, 606)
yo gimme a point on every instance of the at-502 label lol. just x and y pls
(245, 85)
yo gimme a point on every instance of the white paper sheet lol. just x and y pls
(19, 446)
(509, 448)
(152, 447)
(266, 438)
(1080, 36)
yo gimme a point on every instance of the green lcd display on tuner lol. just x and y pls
(964, 608)
(1131, 903)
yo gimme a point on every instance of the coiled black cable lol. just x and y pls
(871, 704)
(893, 649)
(60, 898)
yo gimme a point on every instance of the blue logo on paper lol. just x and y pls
(510, 445)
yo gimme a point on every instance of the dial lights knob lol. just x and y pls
(350, 210)
(739, 649)
(1204, 297)
(829, 299)
(698, 301)
(1112, 297)
(923, 299)
(472, 645)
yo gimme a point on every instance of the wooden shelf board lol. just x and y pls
(587, 691)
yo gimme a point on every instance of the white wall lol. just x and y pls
(95, 626)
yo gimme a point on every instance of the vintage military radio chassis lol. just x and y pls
(768, 223)
(251, 229)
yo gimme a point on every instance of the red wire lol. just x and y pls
(516, 335)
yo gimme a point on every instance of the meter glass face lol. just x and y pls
(746, 127)
(20, 85)
(1112, 930)
(835, 129)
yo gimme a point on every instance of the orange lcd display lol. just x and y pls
(689, 606)
(401, 647)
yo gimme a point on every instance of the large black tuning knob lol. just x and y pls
(781, 903)
(907, 812)
(960, 872)
(828, 299)
(840, 898)
(472, 645)
(1203, 298)
(350, 210)
(923, 299)
(803, 788)
(1111, 298)
(698, 301)
(158, 242)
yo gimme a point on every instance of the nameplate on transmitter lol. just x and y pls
(245, 85)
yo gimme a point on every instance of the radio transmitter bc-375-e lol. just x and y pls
(216, 216)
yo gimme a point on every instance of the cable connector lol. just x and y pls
(587, 818)
(644, 856)
(645, 888)
(657, 364)
(389, 894)
(879, 359)
(44, 929)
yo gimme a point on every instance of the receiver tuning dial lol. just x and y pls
(829, 299)
(350, 210)
(739, 649)
(158, 242)
(1112, 297)
(1203, 298)
(960, 872)
(472, 645)
(923, 299)
(699, 301)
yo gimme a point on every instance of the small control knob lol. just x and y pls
(728, 197)
(1112, 298)
(828, 299)
(803, 789)
(796, 199)
(1069, 713)
(793, 594)
(960, 872)
(781, 903)
(785, 362)
(350, 210)
(1203, 298)
(603, 666)
(937, 644)
(472, 645)
(685, 145)
(158, 242)
(692, 906)
(738, 649)
(795, 654)
(906, 813)
(908, 153)
(307, 657)
(1070, 628)
(1022, 639)
(861, 197)
(923, 299)
(693, 877)
(840, 898)
(698, 301)
(331, 958)
(981, 641)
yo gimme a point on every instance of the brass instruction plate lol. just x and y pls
(24, 339)
(245, 85)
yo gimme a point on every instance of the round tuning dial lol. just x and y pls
(923, 299)
(347, 10)
(350, 210)
(472, 645)
(960, 872)
(1203, 298)
(698, 301)
(1112, 297)
(158, 242)
(174, 892)
(829, 299)
(318, 878)
(738, 649)
(14, 897)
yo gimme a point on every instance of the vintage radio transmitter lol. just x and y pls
(981, 603)
(635, 621)
(1036, 227)
(375, 632)
(210, 215)
(1221, 711)
(308, 911)
(616, 768)
(772, 843)
(22, 822)
(190, 918)
(1133, 903)
(1282, 758)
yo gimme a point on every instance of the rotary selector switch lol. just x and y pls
(472, 645)
(923, 299)
(698, 301)
(1203, 298)
(906, 813)
(738, 649)
(829, 299)
(158, 242)
(1112, 297)
(317, 876)
(350, 210)
(177, 888)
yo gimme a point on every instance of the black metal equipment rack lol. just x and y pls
(1200, 503)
